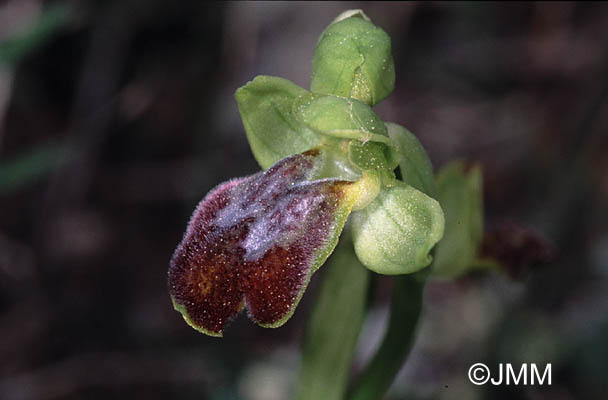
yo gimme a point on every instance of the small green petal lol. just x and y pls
(341, 117)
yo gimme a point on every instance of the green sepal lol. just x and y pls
(266, 105)
(459, 191)
(395, 233)
(353, 59)
(414, 163)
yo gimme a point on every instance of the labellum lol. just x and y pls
(254, 243)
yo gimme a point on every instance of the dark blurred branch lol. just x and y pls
(94, 105)
(580, 147)
(570, 189)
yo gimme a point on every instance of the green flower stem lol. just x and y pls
(398, 340)
(334, 326)
(406, 307)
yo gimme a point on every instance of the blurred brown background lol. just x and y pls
(116, 117)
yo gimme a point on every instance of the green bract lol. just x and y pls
(459, 192)
(266, 105)
(395, 233)
(353, 59)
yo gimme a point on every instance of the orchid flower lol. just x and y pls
(253, 243)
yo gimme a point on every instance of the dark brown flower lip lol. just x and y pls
(254, 242)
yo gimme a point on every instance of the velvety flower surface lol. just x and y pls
(254, 242)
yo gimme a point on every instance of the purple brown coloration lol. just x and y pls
(255, 242)
(516, 248)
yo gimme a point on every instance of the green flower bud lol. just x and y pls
(353, 59)
(395, 233)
